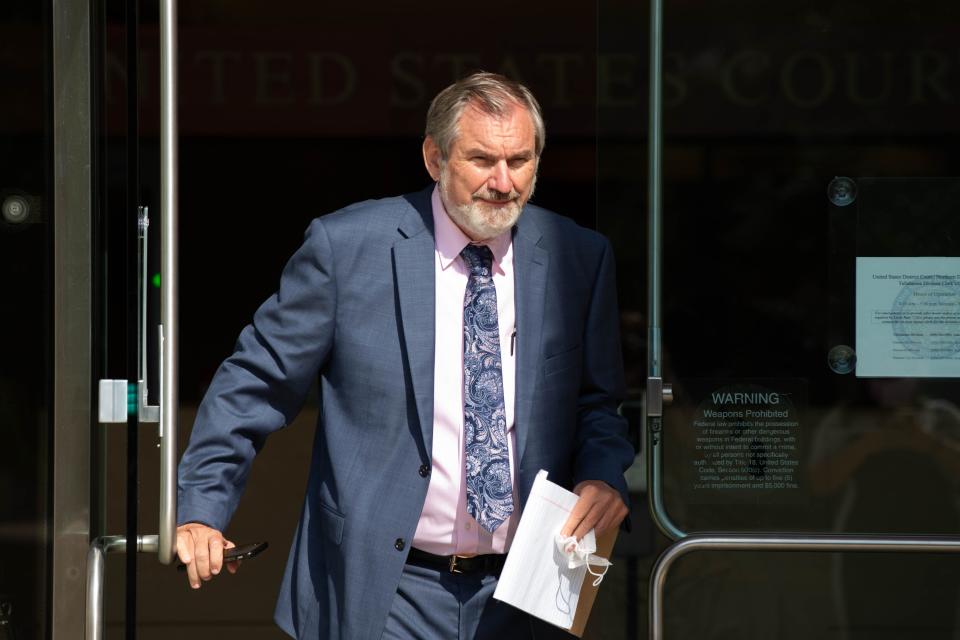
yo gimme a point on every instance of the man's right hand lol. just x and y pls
(200, 548)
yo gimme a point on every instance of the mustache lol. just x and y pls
(496, 196)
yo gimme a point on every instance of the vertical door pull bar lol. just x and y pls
(169, 395)
(657, 393)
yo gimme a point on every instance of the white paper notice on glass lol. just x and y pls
(536, 576)
(908, 317)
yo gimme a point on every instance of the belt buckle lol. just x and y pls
(454, 568)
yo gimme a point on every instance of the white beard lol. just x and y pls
(479, 220)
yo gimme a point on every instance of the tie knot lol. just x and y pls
(479, 259)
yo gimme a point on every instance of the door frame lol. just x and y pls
(73, 319)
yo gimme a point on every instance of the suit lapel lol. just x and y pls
(530, 277)
(415, 278)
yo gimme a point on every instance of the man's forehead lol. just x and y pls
(478, 125)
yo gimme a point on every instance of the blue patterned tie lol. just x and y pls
(489, 489)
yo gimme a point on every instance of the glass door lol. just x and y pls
(805, 308)
(133, 126)
(26, 321)
(65, 325)
(123, 231)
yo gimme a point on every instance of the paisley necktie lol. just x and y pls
(489, 489)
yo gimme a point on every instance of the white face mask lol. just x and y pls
(581, 554)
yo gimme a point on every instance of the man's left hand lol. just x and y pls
(600, 507)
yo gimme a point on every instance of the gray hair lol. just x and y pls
(492, 93)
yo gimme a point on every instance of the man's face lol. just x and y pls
(491, 171)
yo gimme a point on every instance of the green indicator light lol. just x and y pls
(156, 280)
(131, 399)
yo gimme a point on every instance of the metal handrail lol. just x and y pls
(99, 548)
(780, 542)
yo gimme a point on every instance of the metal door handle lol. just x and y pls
(95, 567)
(169, 337)
(658, 394)
(166, 413)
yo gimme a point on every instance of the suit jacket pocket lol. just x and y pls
(331, 521)
(562, 361)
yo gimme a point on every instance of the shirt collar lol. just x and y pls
(450, 240)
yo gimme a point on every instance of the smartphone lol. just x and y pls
(239, 552)
(244, 551)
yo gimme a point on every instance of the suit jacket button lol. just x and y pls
(424, 470)
(399, 544)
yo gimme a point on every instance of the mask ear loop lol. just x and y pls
(600, 575)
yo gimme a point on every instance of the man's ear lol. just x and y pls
(431, 158)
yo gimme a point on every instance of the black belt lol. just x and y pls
(490, 563)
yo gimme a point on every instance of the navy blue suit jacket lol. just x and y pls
(356, 307)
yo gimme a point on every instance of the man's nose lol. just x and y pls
(499, 179)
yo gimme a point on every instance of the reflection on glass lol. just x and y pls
(890, 461)
(773, 115)
(25, 340)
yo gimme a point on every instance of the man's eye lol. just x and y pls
(516, 163)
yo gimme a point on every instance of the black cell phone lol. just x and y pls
(244, 551)
(239, 552)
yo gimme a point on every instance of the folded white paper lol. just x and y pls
(537, 576)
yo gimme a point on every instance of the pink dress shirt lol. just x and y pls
(445, 527)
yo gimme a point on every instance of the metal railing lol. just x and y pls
(779, 542)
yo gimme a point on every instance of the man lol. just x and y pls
(464, 340)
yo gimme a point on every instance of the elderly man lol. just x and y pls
(464, 340)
